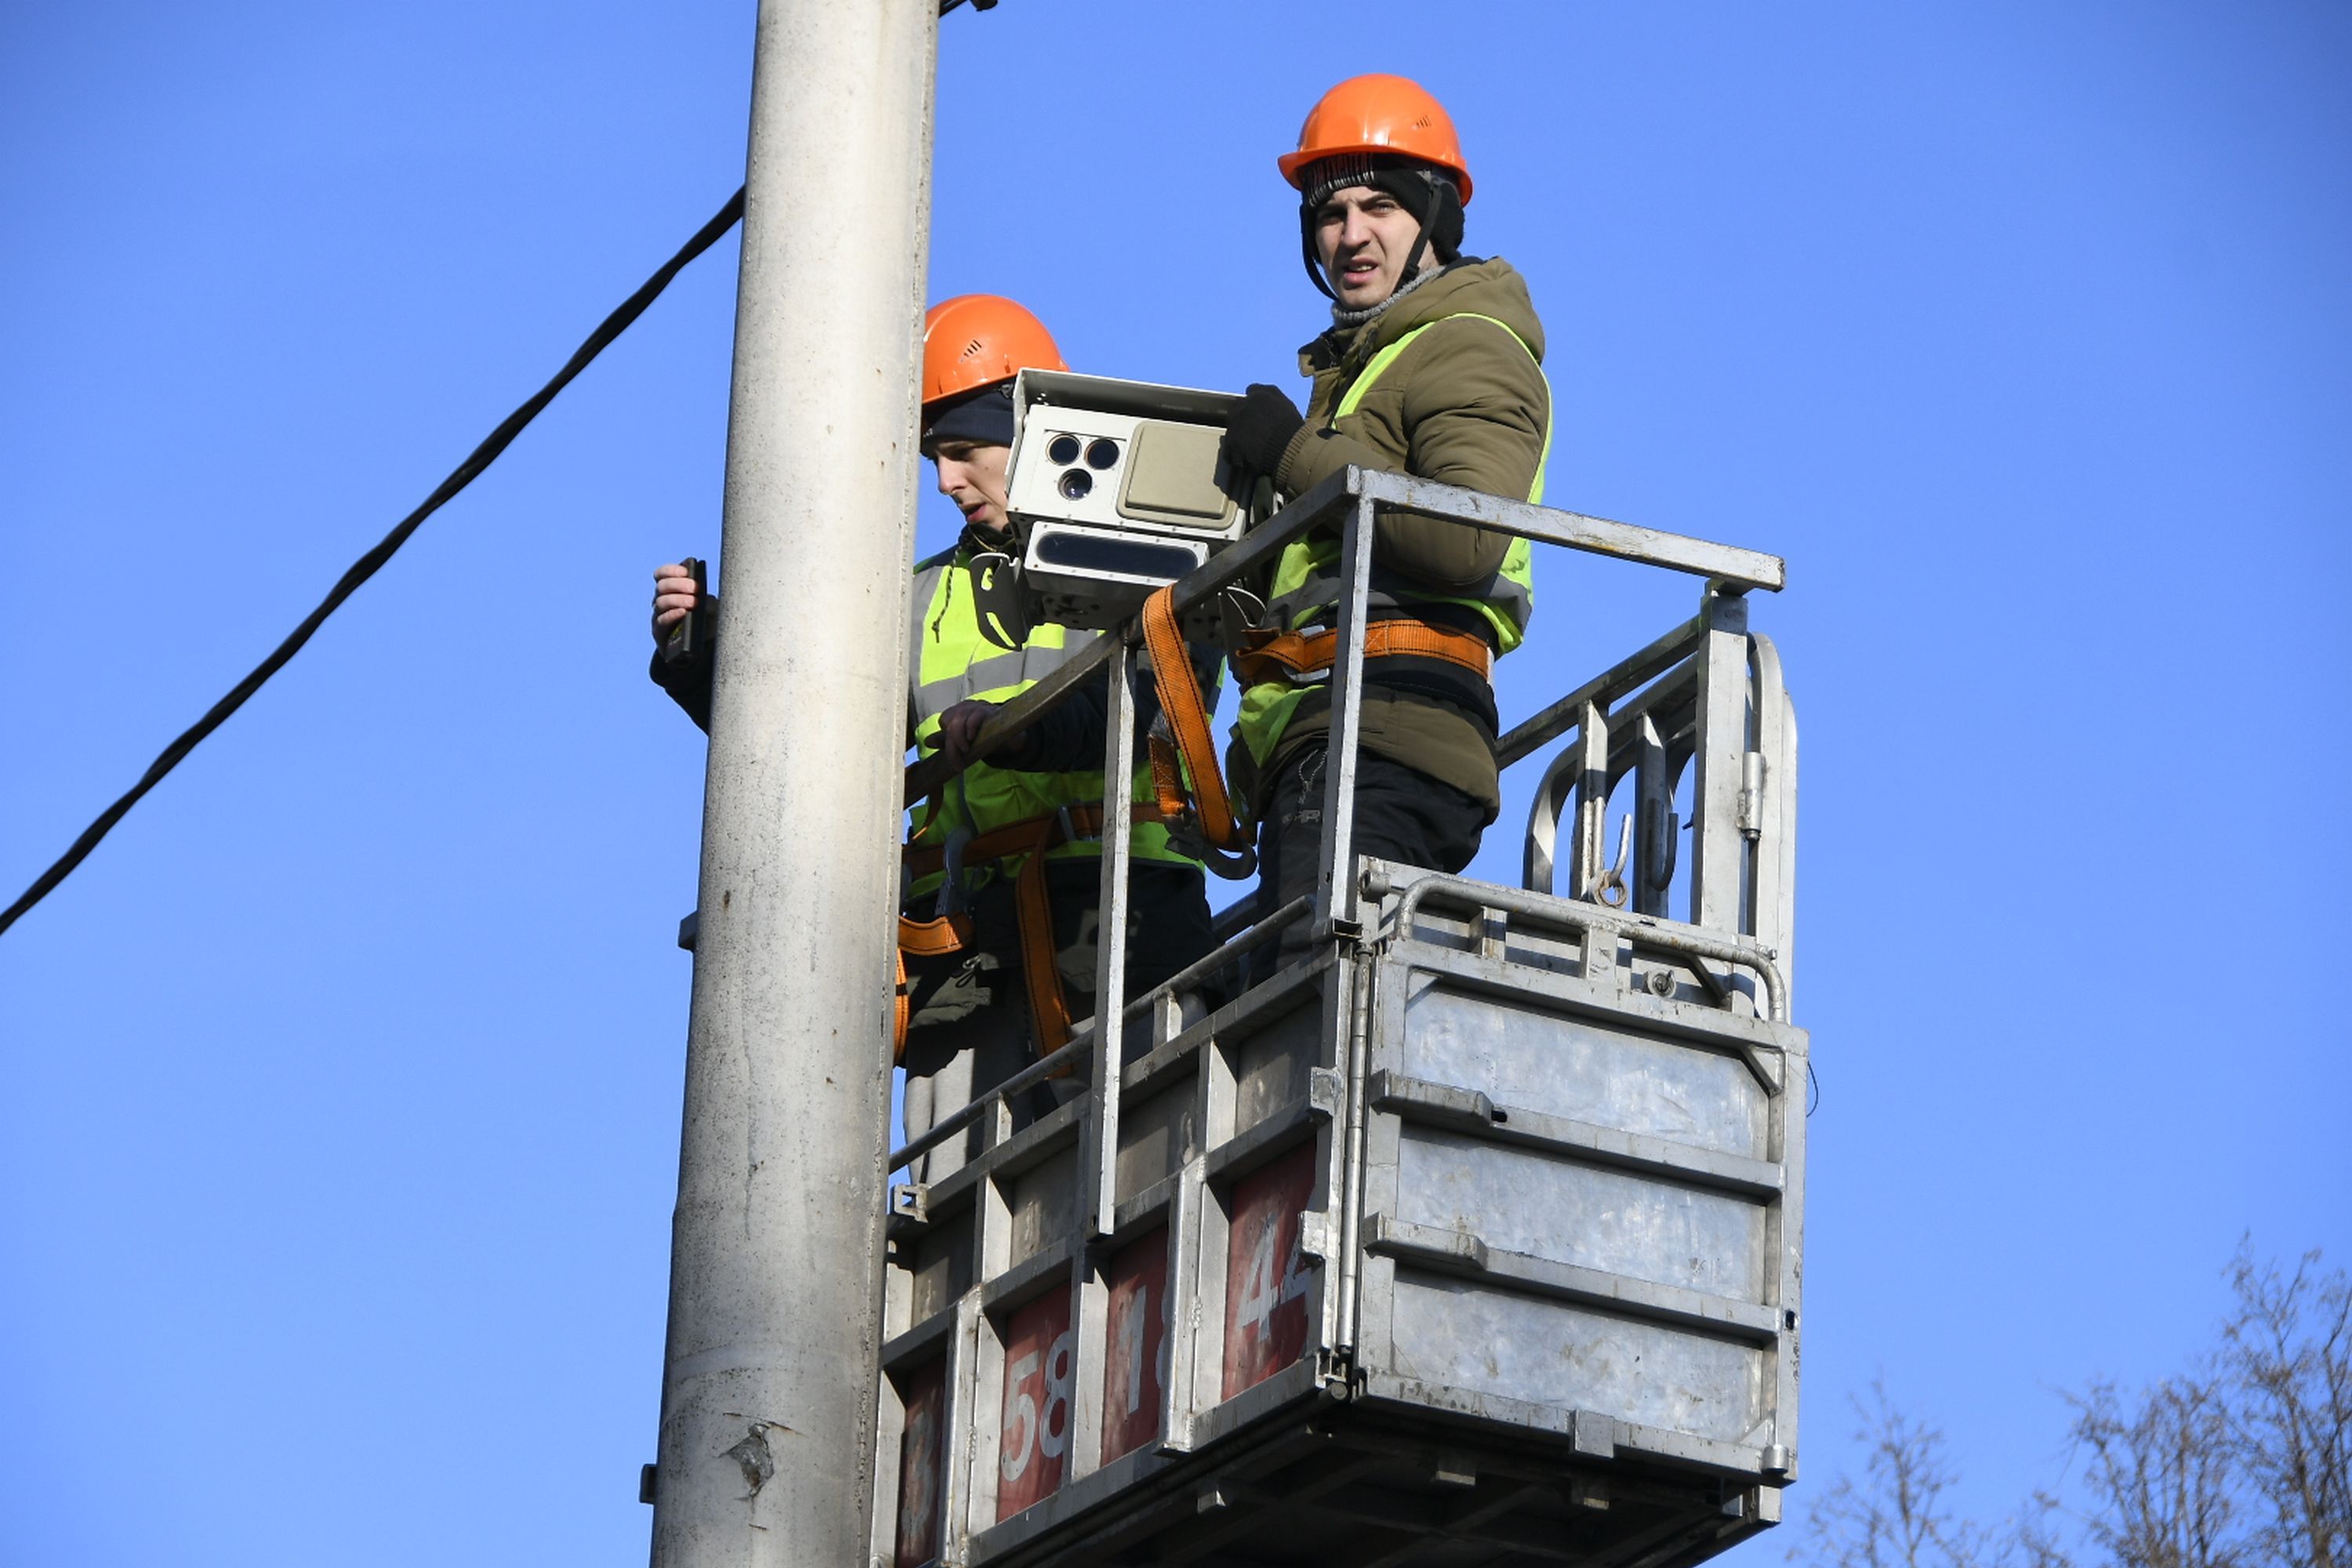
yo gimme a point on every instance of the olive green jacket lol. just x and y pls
(1464, 404)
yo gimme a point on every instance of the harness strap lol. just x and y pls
(1188, 724)
(1049, 1006)
(1297, 655)
(949, 933)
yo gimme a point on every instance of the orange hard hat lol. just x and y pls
(1378, 113)
(976, 340)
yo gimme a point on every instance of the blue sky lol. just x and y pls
(339, 1131)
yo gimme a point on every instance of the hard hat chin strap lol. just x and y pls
(1441, 219)
(1307, 253)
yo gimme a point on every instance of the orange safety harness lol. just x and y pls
(1049, 1007)
(1187, 737)
(1268, 655)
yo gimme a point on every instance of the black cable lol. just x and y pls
(367, 565)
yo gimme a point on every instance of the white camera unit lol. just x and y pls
(1114, 490)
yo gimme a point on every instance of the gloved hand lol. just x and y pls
(959, 727)
(1260, 430)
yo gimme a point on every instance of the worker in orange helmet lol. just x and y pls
(989, 978)
(1432, 366)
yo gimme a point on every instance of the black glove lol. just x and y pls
(1261, 430)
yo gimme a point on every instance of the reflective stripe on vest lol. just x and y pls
(1307, 577)
(952, 662)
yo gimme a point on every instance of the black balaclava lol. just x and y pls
(983, 414)
(1421, 189)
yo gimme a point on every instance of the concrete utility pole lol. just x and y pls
(768, 1384)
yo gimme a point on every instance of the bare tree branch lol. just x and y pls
(2287, 1355)
(2242, 1461)
(1898, 1516)
(2160, 1475)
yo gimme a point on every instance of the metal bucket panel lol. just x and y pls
(1464, 1334)
(940, 1265)
(1156, 1135)
(1532, 1057)
(1570, 1212)
(1271, 1067)
(1044, 1204)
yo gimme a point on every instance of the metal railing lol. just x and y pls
(1704, 698)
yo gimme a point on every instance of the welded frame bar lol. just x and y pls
(1733, 569)
(1775, 869)
(1335, 893)
(1463, 892)
(1336, 910)
(1589, 848)
(1551, 723)
(1719, 852)
(1099, 1153)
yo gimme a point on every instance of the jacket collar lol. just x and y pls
(1489, 287)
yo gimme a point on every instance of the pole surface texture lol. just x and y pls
(768, 1396)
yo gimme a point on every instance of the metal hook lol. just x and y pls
(1660, 844)
(1608, 884)
(1240, 613)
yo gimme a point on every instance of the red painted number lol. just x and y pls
(1136, 1331)
(1036, 1440)
(1265, 1272)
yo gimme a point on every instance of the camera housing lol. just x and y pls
(1114, 490)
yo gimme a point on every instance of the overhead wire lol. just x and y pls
(367, 565)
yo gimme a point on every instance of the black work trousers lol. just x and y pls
(1402, 814)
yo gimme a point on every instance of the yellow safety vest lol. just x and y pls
(952, 661)
(1306, 584)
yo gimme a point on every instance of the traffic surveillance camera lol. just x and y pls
(1114, 490)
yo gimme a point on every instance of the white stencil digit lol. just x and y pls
(1294, 1272)
(1261, 1291)
(1054, 1424)
(1021, 1409)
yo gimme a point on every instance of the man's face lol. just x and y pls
(1362, 237)
(972, 475)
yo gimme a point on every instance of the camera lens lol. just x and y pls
(1102, 452)
(1064, 450)
(1076, 483)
